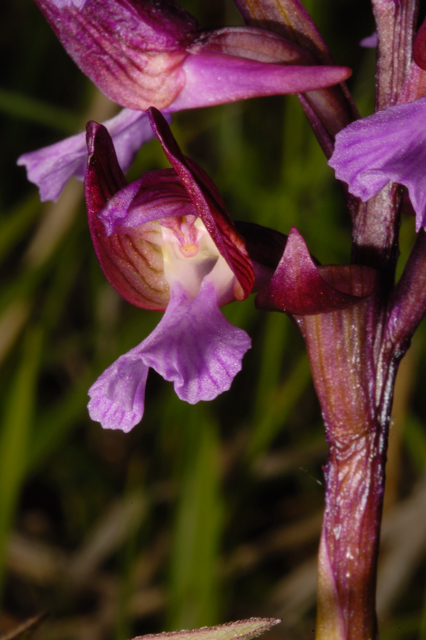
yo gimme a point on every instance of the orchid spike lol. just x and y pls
(239, 630)
(389, 145)
(155, 54)
(166, 242)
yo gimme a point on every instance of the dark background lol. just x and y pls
(202, 514)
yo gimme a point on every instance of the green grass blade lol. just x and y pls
(18, 416)
(194, 584)
(22, 106)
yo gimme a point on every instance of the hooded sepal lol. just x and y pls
(209, 207)
(132, 264)
(301, 287)
(131, 50)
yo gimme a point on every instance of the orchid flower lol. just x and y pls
(143, 54)
(166, 242)
(389, 145)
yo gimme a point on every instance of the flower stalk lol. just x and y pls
(340, 347)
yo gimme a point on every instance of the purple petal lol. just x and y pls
(50, 168)
(389, 145)
(217, 79)
(369, 41)
(157, 195)
(117, 397)
(193, 346)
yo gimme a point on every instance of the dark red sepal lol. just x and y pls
(300, 287)
(419, 47)
(209, 204)
(132, 265)
(264, 245)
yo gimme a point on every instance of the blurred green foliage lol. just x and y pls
(201, 514)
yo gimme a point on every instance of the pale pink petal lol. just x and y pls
(117, 397)
(51, 167)
(195, 346)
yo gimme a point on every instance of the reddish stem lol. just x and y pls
(341, 348)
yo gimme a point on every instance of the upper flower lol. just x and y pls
(144, 53)
(166, 242)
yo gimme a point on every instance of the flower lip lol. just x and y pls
(193, 346)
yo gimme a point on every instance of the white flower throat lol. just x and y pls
(190, 255)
